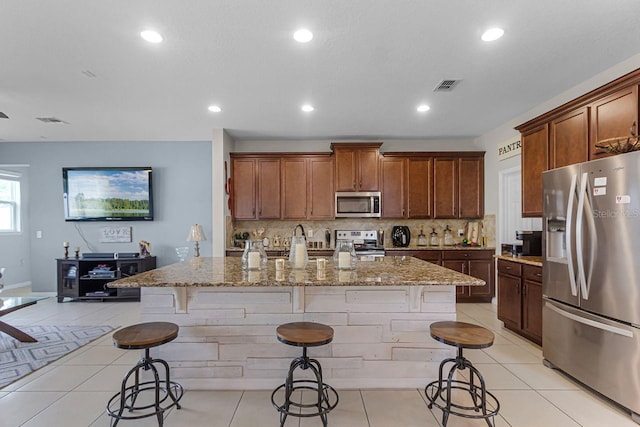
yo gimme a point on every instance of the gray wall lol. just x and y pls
(182, 196)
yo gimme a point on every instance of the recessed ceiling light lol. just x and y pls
(303, 35)
(214, 108)
(307, 108)
(492, 34)
(423, 108)
(151, 36)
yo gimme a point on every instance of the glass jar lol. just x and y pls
(344, 257)
(434, 238)
(254, 256)
(298, 256)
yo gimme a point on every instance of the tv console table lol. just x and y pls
(86, 278)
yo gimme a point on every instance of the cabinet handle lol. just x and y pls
(360, 182)
(466, 255)
(633, 128)
(524, 291)
(539, 274)
(507, 268)
(518, 289)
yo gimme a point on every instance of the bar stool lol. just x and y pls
(305, 334)
(462, 335)
(144, 336)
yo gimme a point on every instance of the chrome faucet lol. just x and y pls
(296, 229)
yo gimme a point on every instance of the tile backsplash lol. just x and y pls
(283, 229)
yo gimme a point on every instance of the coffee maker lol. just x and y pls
(531, 242)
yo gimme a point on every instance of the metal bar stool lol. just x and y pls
(143, 336)
(484, 404)
(305, 334)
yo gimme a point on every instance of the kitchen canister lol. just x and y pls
(254, 256)
(344, 257)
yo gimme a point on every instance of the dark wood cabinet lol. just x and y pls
(420, 187)
(243, 178)
(477, 263)
(535, 160)
(520, 298)
(433, 256)
(614, 116)
(268, 183)
(308, 187)
(569, 139)
(392, 184)
(356, 166)
(445, 188)
(87, 278)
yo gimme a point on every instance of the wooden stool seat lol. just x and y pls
(305, 334)
(461, 334)
(145, 335)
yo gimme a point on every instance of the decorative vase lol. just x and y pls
(254, 256)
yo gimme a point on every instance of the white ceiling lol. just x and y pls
(369, 65)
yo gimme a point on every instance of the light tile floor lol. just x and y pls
(73, 390)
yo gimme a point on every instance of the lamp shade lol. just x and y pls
(196, 234)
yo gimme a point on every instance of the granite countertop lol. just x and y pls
(227, 271)
(391, 248)
(529, 260)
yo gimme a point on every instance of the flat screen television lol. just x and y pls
(108, 194)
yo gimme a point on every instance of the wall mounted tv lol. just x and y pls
(108, 194)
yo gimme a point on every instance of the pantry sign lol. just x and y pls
(509, 148)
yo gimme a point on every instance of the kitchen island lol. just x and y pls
(380, 311)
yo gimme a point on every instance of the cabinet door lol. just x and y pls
(419, 187)
(532, 308)
(294, 188)
(269, 188)
(569, 139)
(461, 267)
(614, 116)
(434, 257)
(244, 188)
(482, 269)
(321, 188)
(510, 300)
(445, 188)
(392, 185)
(345, 159)
(368, 177)
(68, 279)
(535, 148)
(470, 189)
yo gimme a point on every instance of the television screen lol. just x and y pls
(108, 194)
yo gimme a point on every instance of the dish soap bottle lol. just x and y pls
(434, 238)
(448, 237)
(422, 239)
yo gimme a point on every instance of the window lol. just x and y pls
(9, 202)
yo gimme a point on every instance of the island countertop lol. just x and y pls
(227, 271)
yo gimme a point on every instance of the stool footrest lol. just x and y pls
(437, 397)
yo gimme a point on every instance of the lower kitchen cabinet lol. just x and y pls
(477, 263)
(434, 257)
(520, 298)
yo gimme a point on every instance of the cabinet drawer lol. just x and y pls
(464, 255)
(428, 255)
(532, 272)
(508, 267)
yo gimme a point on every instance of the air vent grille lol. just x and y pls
(446, 85)
(51, 120)
(3, 115)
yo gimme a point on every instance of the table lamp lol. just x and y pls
(196, 235)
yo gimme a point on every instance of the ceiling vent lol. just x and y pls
(3, 115)
(51, 120)
(446, 85)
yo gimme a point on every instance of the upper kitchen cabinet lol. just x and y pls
(569, 139)
(308, 187)
(614, 116)
(256, 187)
(392, 184)
(535, 160)
(419, 187)
(356, 166)
(567, 135)
(458, 184)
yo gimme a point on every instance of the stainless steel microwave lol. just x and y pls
(358, 204)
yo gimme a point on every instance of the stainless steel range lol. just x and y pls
(365, 242)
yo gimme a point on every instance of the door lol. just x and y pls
(532, 308)
(244, 188)
(368, 169)
(481, 269)
(609, 209)
(345, 169)
(510, 300)
(560, 275)
(569, 142)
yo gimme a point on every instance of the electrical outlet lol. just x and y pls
(38, 234)
(460, 232)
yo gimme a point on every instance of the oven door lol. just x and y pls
(357, 204)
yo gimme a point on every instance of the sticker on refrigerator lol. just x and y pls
(623, 199)
(600, 182)
(600, 191)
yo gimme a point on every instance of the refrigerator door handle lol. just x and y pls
(593, 243)
(589, 322)
(569, 234)
(579, 237)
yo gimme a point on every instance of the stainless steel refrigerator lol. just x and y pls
(591, 275)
